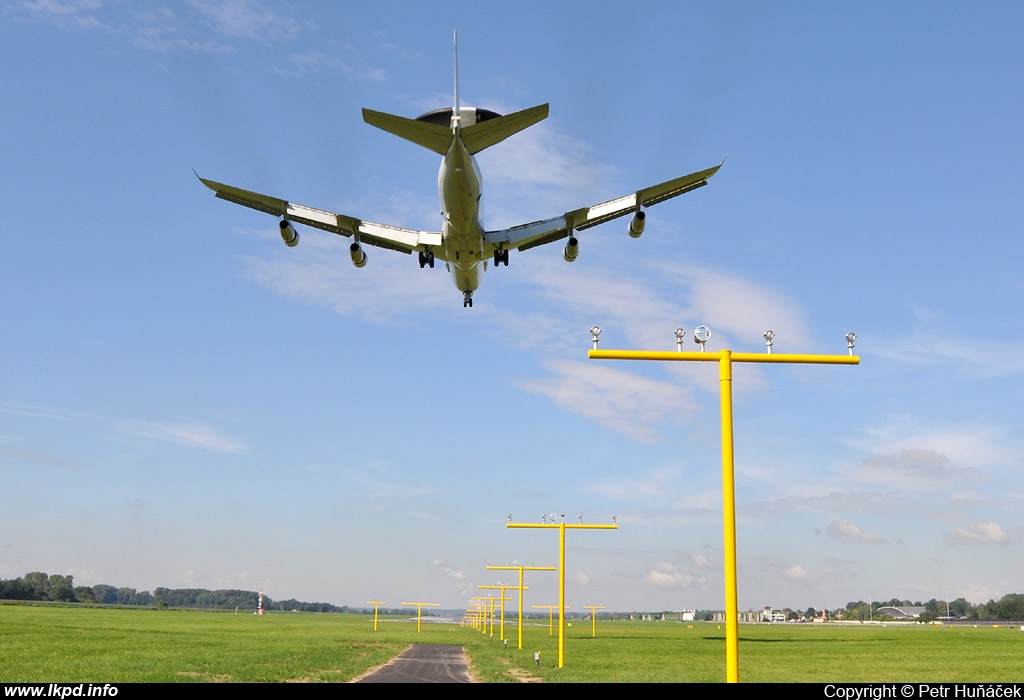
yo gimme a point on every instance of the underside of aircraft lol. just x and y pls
(463, 244)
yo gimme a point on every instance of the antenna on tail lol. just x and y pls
(456, 120)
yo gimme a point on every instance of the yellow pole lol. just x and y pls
(725, 359)
(520, 569)
(375, 603)
(732, 634)
(562, 526)
(551, 616)
(561, 594)
(419, 612)
(593, 617)
(503, 599)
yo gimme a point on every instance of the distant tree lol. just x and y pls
(38, 585)
(107, 595)
(1010, 607)
(14, 589)
(85, 594)
(985, 611)
(62, 588)
(960, 608)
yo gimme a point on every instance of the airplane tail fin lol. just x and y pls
(427, 132)
(456, 110)
(479, 128)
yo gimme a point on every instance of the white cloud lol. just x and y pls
(189, 434)
(616, 399)
(320, 272)
(845, 530)
(76, 14)
(979, 358)
(20, 455)
(314, 61)
(637, 487)
(667, 576)
(247, 19)
(580, 578)
(979, 532)
(796, 573)
(937, 456)
(449, 570)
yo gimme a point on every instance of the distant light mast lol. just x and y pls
(259, 605)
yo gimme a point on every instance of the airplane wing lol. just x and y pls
(540, 232)
(380, 235)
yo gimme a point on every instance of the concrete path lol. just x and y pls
(424, 663)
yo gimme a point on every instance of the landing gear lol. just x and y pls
(426, 259)
(500, 257)
(467, 300)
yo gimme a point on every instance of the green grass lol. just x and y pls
(44, 644)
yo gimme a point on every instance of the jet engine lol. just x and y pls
(572, 249)
(358, 255)
(636, 225)
(288, 234)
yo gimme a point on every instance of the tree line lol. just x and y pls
(38, 586)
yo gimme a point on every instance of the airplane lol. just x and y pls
(463, 244)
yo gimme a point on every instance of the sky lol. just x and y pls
(185, 402)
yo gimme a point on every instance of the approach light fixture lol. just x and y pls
(850, 337)
(680, 333)
(581, 518)
(701, 335)
(595, 332)
(768, 336)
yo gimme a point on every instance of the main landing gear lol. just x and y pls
(467, 300)
(426, 259)
(500, 257)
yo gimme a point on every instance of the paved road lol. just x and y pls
(424, 663)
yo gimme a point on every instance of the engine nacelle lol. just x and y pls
(572, 249)
(358, 255)
(636, 225)
(288, 234)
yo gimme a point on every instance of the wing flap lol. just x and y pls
(529, 235)
(253, 200)
(674, 188)
(549, 230)
(379, 235)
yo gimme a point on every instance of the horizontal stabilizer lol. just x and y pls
(431, 136)
(479, 136)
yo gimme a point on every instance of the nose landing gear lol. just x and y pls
(467, 300)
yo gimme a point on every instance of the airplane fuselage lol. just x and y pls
(458, 184)
(457, 135)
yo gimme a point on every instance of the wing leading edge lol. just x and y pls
(379, 235)
(538, 233)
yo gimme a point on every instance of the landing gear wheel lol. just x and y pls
(467, 300)
(500, 257)
(426, 259)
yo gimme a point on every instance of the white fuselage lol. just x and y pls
(458, 183)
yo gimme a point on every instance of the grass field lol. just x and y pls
(44, 644)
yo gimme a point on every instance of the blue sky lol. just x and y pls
(185, 402)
